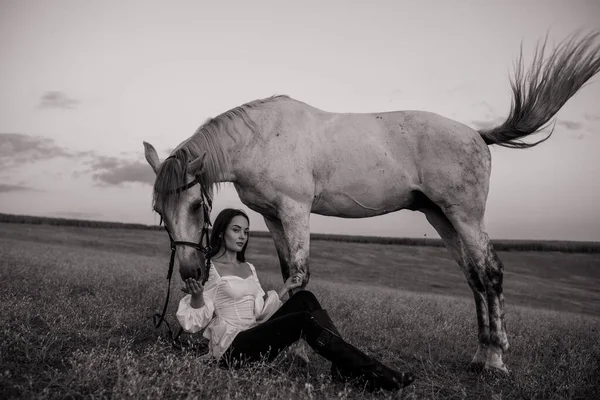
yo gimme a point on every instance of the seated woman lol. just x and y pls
(245, 324)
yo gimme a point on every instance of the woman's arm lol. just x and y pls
(196, 310)
(197, 292)
(267, 304)
(292, 282)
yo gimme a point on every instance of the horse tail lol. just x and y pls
(545, 88)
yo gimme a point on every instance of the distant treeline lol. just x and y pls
(503, 245)
(28, 219)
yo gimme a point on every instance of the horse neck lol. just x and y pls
(264, 120)
(234, 138)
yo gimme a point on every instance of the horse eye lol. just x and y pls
(195, 207)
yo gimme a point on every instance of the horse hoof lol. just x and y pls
(498, 368)
(492, 369)
(481, 367)
(475, 366)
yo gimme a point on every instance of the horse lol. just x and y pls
(287, 159)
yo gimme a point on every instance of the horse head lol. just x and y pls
(184, 204)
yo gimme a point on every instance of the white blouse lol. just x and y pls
(231, 305)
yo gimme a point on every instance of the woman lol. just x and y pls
(245, 324)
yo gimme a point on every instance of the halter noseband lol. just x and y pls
(206, 208)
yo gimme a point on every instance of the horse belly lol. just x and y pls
(364, 169)
(363, 199)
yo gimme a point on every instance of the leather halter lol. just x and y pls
(203, 274)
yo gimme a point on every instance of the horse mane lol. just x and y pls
(172, 172)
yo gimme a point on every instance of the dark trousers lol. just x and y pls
(294, 320)
(302, 317)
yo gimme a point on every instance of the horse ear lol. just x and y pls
(151, 156)
(195, 166)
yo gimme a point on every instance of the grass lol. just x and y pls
(77, 305)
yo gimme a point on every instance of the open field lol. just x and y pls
(77, 304)
(566, 246)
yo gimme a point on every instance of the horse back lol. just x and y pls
(360, 165)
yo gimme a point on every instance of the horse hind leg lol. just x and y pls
(453, 243)
(487, 270)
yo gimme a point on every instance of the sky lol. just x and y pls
(83, 83)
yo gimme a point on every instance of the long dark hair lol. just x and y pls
(220, 225)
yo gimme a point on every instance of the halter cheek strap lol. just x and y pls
(206, 207)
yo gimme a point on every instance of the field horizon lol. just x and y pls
(79, 303)
(569, 246)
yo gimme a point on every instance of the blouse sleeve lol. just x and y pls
(195, 319)
(264, 308)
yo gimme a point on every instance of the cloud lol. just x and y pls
(571, 125)
(487, 106)
(56, 99)
(592, 117)
(5, 188)
(116, 171)
(579, 136)
(457, 89)
(491, 123)
(17, 149)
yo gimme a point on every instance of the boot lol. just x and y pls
(323, 318)
(338, 373)
(374, 374)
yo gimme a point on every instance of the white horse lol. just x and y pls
(287, 160)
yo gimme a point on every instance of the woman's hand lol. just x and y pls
(292, 282)
(196, 290)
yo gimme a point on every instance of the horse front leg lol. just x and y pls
(288, 240)
(295, 228)
(276, 228)
(291, 235)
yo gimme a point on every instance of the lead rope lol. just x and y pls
(207, 254)
(174, 339)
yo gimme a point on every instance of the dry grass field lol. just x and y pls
(77, 305)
